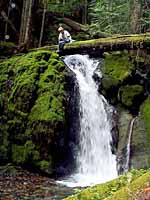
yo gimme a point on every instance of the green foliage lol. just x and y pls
(102, 191)
(145, 110)
(65, 7)
(129, 94)
(24, 154)
(111, 17)
(115, 16)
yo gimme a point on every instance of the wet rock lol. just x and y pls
(140, 150)
(124, 118)
(131, 96)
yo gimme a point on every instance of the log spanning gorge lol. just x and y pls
(95, 162)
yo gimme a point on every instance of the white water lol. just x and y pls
(95, 161)
(129, 145)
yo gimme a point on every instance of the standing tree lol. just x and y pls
(43, 22)
(25, 22)
(135, 16)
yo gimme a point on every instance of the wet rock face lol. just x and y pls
(125, 84)
(72, 119)
(124, 118)
(32, 117)
(140, 148)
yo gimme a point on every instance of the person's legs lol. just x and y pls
(61, 45)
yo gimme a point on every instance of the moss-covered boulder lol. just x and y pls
(117, 69)
(7, 48)
(32, 109)
(131, 95)
(112, 188)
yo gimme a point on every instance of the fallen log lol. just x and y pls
(4, 15)
(75, 25)
(114, 43)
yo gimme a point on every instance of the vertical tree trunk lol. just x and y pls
(43, 22)
(135, 25)
(84, 12)
(28, 23)
(25, 21)
(6, 25)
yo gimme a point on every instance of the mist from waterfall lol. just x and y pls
(95, 162)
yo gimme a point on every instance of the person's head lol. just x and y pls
(61, 29)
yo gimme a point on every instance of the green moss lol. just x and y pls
(105, 190)
(18, 155)
(130, 95)
(131, 191)
(47, 107)
(44, 165)
(117, 68)
(7, 48)
(31, 102)
(25, 153)
(145, 111)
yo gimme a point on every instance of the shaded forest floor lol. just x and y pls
(23, 185)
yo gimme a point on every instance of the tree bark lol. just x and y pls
(29, 14)
(25, 21)
(114, 43)
(43, 22)
(84, 12)
(135, 16)
(75, 25)
(8, 21)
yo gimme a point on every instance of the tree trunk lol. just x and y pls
(6, 18)
(75, 25)
(29, 14)
(43, 22)
(135, 25)
(8, 21)
(114, 43)
(25, 22)
(84, 13)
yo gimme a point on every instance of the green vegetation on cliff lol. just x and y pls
(145, 110)
(128, 94)
(32, 110)
(117, 68)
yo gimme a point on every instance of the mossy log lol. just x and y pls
(116, 42)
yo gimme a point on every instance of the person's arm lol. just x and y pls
(68, 36)
(60, 37)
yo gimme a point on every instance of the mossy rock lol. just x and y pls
(131, 191)
(32, 108)
(140, 145)
(116, 69)
(106, 190)
(145, 111)
(7, 48)
(131, 95)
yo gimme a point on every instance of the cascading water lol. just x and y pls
(95, 162)
(128, 148)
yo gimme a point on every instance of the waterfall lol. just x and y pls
(95, 162)
(128, 148)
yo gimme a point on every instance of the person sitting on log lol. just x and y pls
(64, 37)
